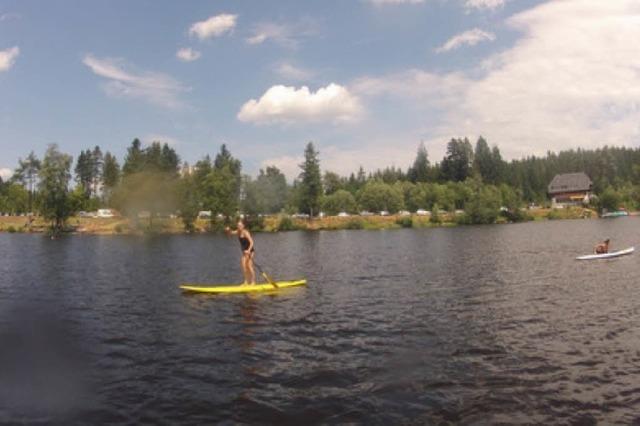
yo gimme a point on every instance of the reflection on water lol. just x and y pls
(473, 324)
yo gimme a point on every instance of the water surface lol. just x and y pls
(462, 325)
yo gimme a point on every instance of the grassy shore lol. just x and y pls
(123, 226)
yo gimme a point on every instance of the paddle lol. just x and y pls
(265, 276)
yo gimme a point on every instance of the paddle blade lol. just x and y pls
(269, 280)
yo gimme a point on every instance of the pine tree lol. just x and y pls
(456, 166)
(110, 174)
(224, 160)
(134, 160)
(84, 172)
(203, 168)
(170, 161)
(483, 161)
(498, 165)
(361, 178)
(310, 182)
(153, 159)
(97, 162)
(419, 172)
(27, 173)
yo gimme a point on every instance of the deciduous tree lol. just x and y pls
(55, 175)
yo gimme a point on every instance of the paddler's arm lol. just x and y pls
(230, 232)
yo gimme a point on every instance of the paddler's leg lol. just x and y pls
(243, 265)
(251, 269)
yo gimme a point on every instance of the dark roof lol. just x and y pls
(570, 182)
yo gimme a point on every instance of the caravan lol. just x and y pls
(105, 213)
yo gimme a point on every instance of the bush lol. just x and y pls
(463, 219)
(516, 215)
(435, 215)
(339, 201)
(189, 225)
(188, 201)
(355, 223)
(254, 223)
(286, 224)
(11, 229)
(609, 200)
(483, 207)
(118, 229)
(567, 213)
(151, 230)
(405, 222)
(554, 214)
(376, 196)
(217, 225)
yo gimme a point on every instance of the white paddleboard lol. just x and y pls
(607, 255)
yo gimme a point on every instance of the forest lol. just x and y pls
(154, 181)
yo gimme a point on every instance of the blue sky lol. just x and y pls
(367, 80)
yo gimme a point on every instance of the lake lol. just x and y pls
(478, 324)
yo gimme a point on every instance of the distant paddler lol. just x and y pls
(602, 248)
(248, 251)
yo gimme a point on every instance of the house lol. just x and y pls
(570, 189)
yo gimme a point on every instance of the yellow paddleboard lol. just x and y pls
(199, 288)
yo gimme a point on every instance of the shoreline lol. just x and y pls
(124, 226)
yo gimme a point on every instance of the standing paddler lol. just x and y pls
(248, 252)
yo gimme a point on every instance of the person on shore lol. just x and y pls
(603, 247)
(248, 251)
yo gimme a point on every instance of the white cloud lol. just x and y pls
(292, 72)
(257, 38)
(270, 31)
(5, 173)
(8, 16)
(286, 35)
(156, 88)
(485, 4)
(8, 58)
(215, 26)
(187, 54)
(570, 80)
(418, 85)
(283, 104)
(469, 38)
(386, 2)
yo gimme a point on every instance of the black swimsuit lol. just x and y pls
(244, 243)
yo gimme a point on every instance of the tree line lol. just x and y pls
(153, 181)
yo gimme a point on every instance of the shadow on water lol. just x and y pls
(466, 325)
